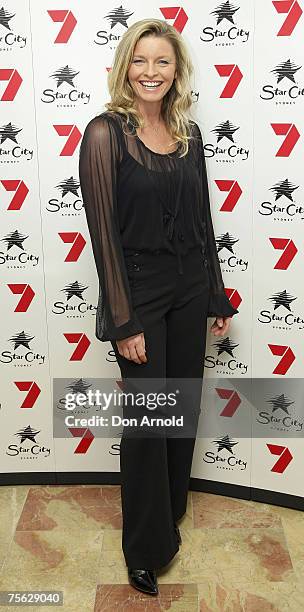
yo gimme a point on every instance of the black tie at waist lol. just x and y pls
(169, 221)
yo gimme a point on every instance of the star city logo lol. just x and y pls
(225, 458)
(75, 306)
(8, 37)
(8, 132)
(116, 17)
(226, 32)
(21, 355)
(68, 96)
(278, 417)
(289, 91)
(285, 207)
(28, 447)
(230, 365)
(70, 203)
(224, 132)
(226, 242)
(13, 258)
(282, 320)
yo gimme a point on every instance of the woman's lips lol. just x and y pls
(150, 87)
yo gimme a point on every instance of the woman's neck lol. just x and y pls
(151, 114)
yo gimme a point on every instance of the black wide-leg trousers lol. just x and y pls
(155, 471)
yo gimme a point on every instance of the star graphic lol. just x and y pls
(225, 11)
(27, 434)
(284, 188)
(5, 17)
(286, 70)
(225, 130)
(119, 15)
(69, 186)
(280, 402)
(21, 339)
(282, 298)
(226, 443)
(79, 386)
(14, 239)
(64, 75)
(225, 241)
(8, 131)
(225, 346)
(74, 289)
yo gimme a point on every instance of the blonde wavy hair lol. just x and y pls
(177, 101)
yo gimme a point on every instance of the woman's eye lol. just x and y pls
(138, 60)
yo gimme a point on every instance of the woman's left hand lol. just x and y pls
(220, 326)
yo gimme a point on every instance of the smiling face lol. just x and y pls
(152, 69)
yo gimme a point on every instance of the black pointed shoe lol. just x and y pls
(144, 580)
(177, 531)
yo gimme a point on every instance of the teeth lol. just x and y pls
(154, 84)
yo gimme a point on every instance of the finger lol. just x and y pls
(220, 331)
(126, 352)
(224, 328)
(133, 354)
(141, 352)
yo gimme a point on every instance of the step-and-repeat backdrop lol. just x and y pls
(248, 93)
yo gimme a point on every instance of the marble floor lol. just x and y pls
(235, 555)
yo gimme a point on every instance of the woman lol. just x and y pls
(144, 185)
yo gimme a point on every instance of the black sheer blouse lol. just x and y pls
(135, 198)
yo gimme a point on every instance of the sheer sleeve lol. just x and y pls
(219, 303)
(100, 153)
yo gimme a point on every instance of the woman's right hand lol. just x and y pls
(133, 348)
